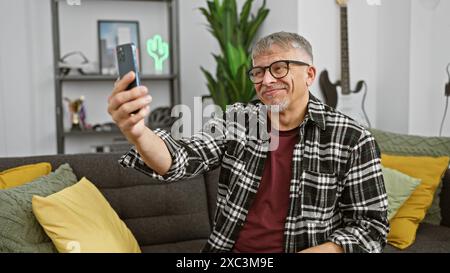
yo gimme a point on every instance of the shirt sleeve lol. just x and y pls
(363, 201)
(190, 156)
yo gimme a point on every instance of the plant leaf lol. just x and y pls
(234, 32)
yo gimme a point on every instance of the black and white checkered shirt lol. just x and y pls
(337, 191)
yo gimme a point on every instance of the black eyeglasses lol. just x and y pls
(278, 70)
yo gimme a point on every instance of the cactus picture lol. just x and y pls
(158, 50)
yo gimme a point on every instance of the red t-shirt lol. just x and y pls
(263, 230)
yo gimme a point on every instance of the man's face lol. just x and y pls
(289, 90)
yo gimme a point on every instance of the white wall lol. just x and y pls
(2, 97)
(430, 54)
(26, 88)
(400, 48)
(393, 66)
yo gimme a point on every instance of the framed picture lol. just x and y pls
(111, 34)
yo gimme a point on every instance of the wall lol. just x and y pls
(430, 54)
(393, 67)
(26, 90)
(2, 97)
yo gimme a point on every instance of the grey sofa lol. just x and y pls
(172, 217)
(177, 217)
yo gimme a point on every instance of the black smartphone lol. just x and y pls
(126, 62)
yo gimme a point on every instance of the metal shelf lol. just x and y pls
(81, 1)
(91, 133)
(74, 78)
(172, 78)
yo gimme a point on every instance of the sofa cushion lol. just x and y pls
(430, 170)
(79, 219)
(19, 230)
(429, 239)
(17, 176)
(411, 145)
(399, 187)
(159, 215)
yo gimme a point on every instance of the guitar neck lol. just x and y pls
(345, 69)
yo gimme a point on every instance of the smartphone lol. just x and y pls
(126, 62)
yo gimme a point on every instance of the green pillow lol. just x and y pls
(19, 229)
(433, 215)
(399, 187)
(402, 144)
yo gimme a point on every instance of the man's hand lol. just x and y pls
(328, 247)
(121, 103)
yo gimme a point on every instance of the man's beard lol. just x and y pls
(279, 107)
(282, 103)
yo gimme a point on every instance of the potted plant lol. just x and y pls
(234, 33)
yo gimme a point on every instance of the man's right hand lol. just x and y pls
(121, 103)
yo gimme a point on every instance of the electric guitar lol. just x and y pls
(339, 95)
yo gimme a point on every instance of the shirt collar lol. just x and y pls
(316, 112)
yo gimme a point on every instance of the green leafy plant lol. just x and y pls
(234, 33)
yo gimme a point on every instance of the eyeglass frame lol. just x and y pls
(288, 62)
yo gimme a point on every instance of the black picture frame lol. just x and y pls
(108, 32)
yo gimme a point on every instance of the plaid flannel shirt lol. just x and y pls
(337, 191)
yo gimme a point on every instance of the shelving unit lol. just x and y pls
(74, 78)
(172, 77)
(91, 132)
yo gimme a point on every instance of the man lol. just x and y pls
(320, 189)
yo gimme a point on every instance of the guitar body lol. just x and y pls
(352, 105)
(329, 89)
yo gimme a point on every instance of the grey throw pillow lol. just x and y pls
(399, 188)
(19, 229)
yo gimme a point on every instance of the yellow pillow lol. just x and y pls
(20, 175)
(406, 221)
(80, 219)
